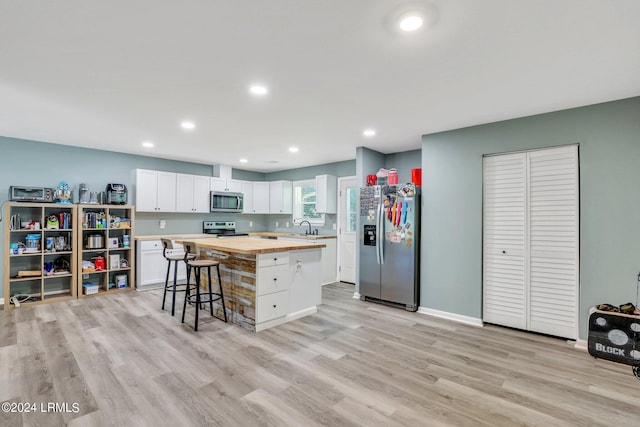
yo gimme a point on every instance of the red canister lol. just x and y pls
(392, 177)
(98, 263)
(416, 176)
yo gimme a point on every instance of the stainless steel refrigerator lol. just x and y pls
(390, 244)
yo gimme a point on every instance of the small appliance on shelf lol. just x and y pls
(116, 194)
(63, 193)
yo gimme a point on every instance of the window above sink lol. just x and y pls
(304, 203)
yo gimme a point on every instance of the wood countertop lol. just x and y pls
(149, 237)
(291, 235)
(174, 236)
(253, 245)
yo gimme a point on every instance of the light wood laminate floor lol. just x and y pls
(123, 361)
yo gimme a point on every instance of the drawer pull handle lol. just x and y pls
(274, 306)
(275, 278)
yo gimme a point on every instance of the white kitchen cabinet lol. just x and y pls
(247, 191)
(155, 191)
(152, 266)
(329, 261)
(280, 197)
(326, 194)
(226, 184)
(261, 197)
(272, 286)
(304, 270)
(192, 193)
(328, 258)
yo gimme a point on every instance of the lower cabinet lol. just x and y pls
(329, 270)
(272, 286)
(152, 266)
(272, 306)
(286, 286)
(304, 283)
(329, 259)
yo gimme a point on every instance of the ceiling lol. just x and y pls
(111, 74)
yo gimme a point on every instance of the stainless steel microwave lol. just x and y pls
(224, 201)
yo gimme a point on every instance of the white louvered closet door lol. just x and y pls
(553, 241)
(504, 240)
(531, 241)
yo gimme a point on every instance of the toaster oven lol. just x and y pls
(31, 194)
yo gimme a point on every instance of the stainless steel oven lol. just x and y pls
(223, 201)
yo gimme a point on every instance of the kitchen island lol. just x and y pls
(265, 282)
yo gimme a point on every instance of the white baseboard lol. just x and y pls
(581, 344)
(356, 295)
(301, 313)
(288, 318)
(451, 316)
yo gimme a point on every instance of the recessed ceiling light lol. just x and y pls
(188, 125)
(411, 23)
(147, 144)
(243, 160)
(293, 149)
(369, 132)
(258, 90)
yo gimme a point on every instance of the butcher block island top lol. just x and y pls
(265, 282)
(253, 245)
(292, 235)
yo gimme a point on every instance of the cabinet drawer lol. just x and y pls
(272, 306)
(149, 245)
(275, 258)
(272, 279)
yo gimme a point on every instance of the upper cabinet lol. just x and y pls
(192, 193)
(280, 197)
(226, 184)
(155, 191)
(247, 191)
(261, 197)
(326, 194)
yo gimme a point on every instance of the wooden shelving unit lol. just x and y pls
(53, 262)
(105, 231)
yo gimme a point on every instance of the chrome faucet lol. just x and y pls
(307, 232)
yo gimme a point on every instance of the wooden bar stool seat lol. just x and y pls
(201, 296)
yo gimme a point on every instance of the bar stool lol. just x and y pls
(168, 245)
(197, 265)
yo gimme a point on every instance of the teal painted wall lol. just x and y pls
(279, 222)
(346, 168)
(403, 162)
(609, 138)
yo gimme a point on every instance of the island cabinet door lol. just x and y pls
(272, 306)
(304, 283)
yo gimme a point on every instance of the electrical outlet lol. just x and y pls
(250, 223)
(334, 226)
(287, 224)
(277, 224)
(163, 223)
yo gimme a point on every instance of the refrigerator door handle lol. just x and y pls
(380, 236)
(377, 231)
